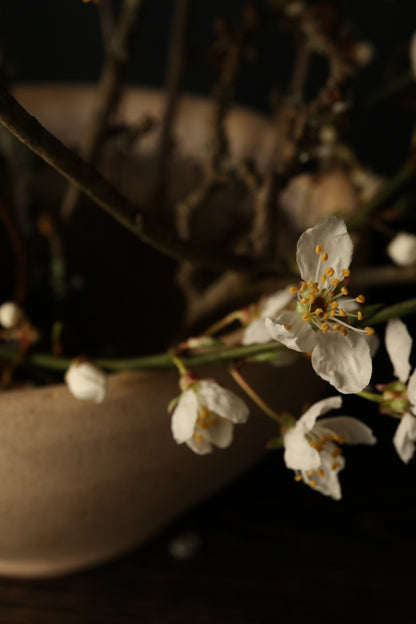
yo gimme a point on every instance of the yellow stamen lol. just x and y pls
(324, 257)
(288, 327)
(326, 316)
(332, 313)
(344, 331)
(312, 299)
(334, 305)
(336, 452)
(310, 473)
(319, 249)
(318, 311)
(324, 327)
(360, 315)
(335, 465)
(313, 483)
(360, 299)
(336, 327)
(341, 312)
(303, 287)
(346, 272)
(298, 477)
(293, 290)
(323, 278)
(330, 272)
(370, 331)
(335, 282)
(317, 446)
(344, 291)
(306, 317)
(330, 294)
(320, 472)
(198, 438)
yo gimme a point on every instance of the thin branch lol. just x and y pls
(107, 22)
(175, 69)
(108, 92)
(30, 132)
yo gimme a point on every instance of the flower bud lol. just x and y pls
(86, 381)
(10, 314)
(402, 249)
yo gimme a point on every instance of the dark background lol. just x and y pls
(271, 550)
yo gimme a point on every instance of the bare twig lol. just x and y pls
(235, 46)
(175, 69)
(108, 93)
(107, 22)
(30, 132)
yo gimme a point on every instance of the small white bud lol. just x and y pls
(402, 249)
(10, 314)
(86, 381)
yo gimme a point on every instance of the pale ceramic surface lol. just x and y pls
(85, 482)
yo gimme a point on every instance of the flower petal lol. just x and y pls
(308, 419)
(255, 333)
(299, 337)
(200, 448)
(344, 361)
(277, 302)
(405, 437)
(185, 416)
(399, 345)
(221, 401)
(221, 434)
(328, 484)
(332, 234)
(299, 454)
(352, 429)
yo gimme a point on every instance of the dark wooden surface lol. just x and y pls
(271, 551)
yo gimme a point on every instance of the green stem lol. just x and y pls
(370, 396)
(179, 365)
(157, 361)
(281, 419)
(224, 322)
(404, 308)
(389, 190)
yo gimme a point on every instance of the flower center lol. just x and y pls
(327, 444)
(319, 301)
(206, 419)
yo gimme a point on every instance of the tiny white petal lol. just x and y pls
(399, 345)
(411, 391)
(354, 431)
(277, 302)
(402, 249)
(200, 448)
(299, 454)
(222, 402)
(333, 235)
(344, 361)
(308, 419)
(405, 437)
(221, 434)
(299, 337)
(255, 333)
(86, 381)
(10, 314)
(185, 416)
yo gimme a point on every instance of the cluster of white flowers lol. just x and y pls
(317, 317)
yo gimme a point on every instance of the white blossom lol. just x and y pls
(319, 323)
(10, 314)
(402, 249)
(399, 345)
(255, 332)
(86, 381)
(205, 416)
(313, 448)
